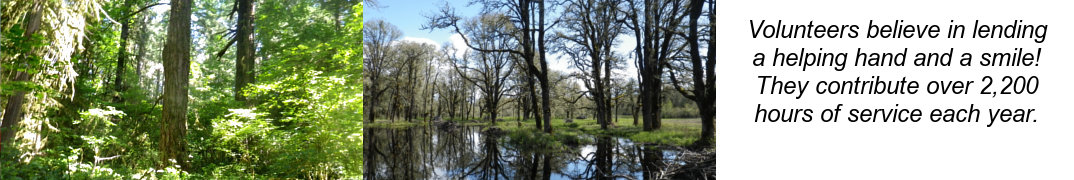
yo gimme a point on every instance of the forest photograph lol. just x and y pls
(181, 89)
(539, 89)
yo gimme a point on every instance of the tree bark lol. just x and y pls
(546, 99)
(143, 35)
(121, 62)
(13, 111)
(707, 105)
(654, 30)
(176, 57)
(594, 30)
(245, 50)
(531, 87)
(634, 112)
(701, 95)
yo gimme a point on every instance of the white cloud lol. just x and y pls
(559, 62)
(459, 44)
(422, 40)
(625, 49)
(625, 45)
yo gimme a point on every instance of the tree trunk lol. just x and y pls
(650, 100)
(708, 127)
(615, 112)
(143, 35)
(634, 112)
(411, 86)
(531, 86)
(546, 106)
(121, 62)
(245, 50)
(13, 111)
(701, 95)
(707, 105)
(176, 57)
(598, 91)
(492, 112)
(546, 99)
(370, 104)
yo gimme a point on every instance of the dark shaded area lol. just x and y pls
(468, 152)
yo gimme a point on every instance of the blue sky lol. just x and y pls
(409, 16)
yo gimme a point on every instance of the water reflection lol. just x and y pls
(469, 153)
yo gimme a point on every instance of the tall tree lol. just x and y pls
(592, 26)
(40, 39)
(527, 95)
(654, 23)
(176, 56)
(413, 57)
(702, 70)
(13, 110)
(244, 57)
(529, 32)
(453, 94)
(378, 38)
(142, 43)
(125, 31)
(127, 15)
(490, 69)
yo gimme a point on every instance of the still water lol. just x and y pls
(467, 152)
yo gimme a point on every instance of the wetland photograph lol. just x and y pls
(539, 89)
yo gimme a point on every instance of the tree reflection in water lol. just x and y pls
(467, 152)
(491, 165)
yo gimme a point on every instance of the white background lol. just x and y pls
(878, 150)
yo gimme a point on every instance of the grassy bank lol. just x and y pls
(673, 132)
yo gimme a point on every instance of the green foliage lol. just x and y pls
(315, 118)
(303, 120)
(677, 106)
(18, 55)
(306, 120)
(98, 144)
(664, 137)
(677, 132)
(572, 125)
(530, 138)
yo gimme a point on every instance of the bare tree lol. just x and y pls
(490, 70)
(591, 28)
(702, 70)
(654, 23)
(529, 33)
